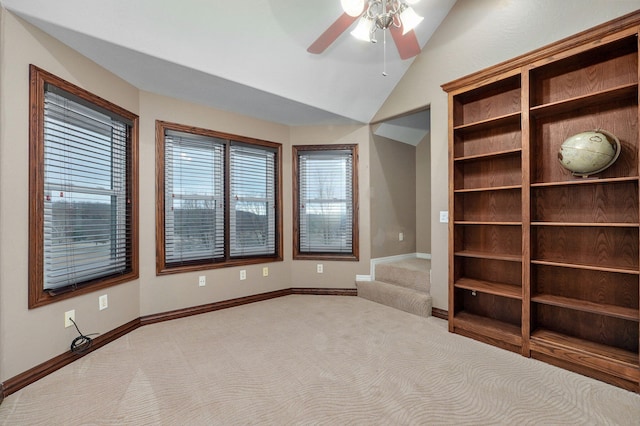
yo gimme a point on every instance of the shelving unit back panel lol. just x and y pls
(490, 306)
(498, 271)
(601, 329)
(488, 173)
(494, 206)
(609, 288)
(490, 239)
(611, 65)
(589, 203)
(618, 117)
(497, 99)
(597, 246)
(481, 142)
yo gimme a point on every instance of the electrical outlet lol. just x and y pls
(401, 237)
(202, 280)
(319, 268)
(265, 271)
(243, 274)
(103, 302)
(444, 216)
(68, 316)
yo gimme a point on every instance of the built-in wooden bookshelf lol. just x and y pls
(542, 262)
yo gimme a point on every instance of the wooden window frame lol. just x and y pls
(162, 268)
(37, 295)
(354, 255)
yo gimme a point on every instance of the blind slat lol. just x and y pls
(194, 207)
(325, 201)
(87, 224)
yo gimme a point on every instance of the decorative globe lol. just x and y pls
(589, 152)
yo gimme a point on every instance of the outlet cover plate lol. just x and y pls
(103, 302)
(68, 316)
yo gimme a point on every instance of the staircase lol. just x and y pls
(403, 285)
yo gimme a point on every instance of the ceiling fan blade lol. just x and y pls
(407, 44)
(332, 33)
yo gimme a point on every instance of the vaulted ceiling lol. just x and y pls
(244, 56)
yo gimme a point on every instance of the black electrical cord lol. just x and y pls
(81, 343)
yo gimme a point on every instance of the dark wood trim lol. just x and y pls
(38, 78)
(16, 383)
(326, 291)
(226, 261)
(210, 307)
(355, 219)
(440, 313)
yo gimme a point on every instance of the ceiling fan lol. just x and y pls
(395, 15)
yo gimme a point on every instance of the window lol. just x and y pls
(83, 210)
(325, 202)
(219, 199)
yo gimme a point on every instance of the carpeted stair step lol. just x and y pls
(412, 274)
(395, 296)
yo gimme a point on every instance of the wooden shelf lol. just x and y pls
(611, 95)
(497, 289)
(494, 188)
(616, 361)
(507, 152)
(493, 256)
(586, 306)
(592, 224)
(502, 120)
(489, 327)
(478, 222)
(586, 181)
(589, 267)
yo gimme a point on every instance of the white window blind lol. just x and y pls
(325, 201)
(252, 201)
(87, 214)
(194, 198)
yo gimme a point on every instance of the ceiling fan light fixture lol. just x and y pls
(363, 29)
(352, 7)
(410, 19)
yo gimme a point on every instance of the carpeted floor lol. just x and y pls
(312, 360)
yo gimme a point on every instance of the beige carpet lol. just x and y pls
(312, 360)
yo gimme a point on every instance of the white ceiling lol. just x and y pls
(248, 56)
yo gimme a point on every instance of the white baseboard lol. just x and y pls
(363, 278)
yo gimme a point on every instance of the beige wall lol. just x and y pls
(336, 274)
(477, 34)
(30, 337)
(393, 197)
(423, 196)
(164, 293)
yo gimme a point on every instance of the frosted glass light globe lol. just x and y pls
(352, 7)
